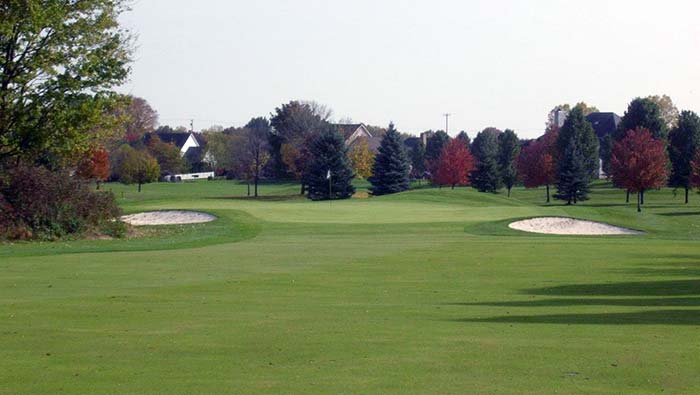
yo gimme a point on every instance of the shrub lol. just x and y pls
(36, 203)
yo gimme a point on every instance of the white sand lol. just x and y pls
(175, 217)
(569, 226)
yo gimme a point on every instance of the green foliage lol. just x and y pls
(168, 155)
(485, 149)
(508, 150)
(329, 153)
(296, 124)
(58, 64)
(390, 173)
(417, 157)
(137, 167)
(684, 141)
(434, 146)
(643, 113)
(578, 162)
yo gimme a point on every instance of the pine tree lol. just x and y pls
(573, 178)
(684, 140)
(508, 150)
(329, 154)
(486, 177)
(576, 142)
(391, 168)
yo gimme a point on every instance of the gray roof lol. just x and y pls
(604, 123)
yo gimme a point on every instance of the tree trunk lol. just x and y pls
(256, 186)
(453, 186)
(248, 184)
(139, 187)
(303, 188)
(642, 196)
(639, 202)
(628, 196)
(548, 193)
(98, 185)
(509, 188)
(686, 195)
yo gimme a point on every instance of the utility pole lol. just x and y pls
(192, 125)
(447, 122)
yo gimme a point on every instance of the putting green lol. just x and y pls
(423, 292)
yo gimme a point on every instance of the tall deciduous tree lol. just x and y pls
(537, 162)
(253, 154)
(390, 173)
(138, 167)
(669, 111)
(454, 165)
(139, 118)
(362, 159)
(417, 158)
(639, 163)
(329, 159)
(295, 124)
(167, 154)
(508, 150)
(578, 162)
(486, 176)
(94, 166)
(642, 113)
(58, 64)
(684, 141)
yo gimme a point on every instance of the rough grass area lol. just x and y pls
(423, 292)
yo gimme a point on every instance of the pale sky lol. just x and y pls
(488, 63)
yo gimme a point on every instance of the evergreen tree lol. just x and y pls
(417, 157)
(464, 138)
(486, 177)
(573, 178)
(643, 113)
(508, 150)
(576, 142)
(391, 167)
(684, 141)
(433, 149)
(329, 154)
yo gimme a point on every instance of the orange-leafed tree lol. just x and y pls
(454, 164)
(639, 163)
(94, 166)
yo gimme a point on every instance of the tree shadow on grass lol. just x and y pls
(655, 317)
(680, 293)
(681, 214)
(633, 302)
(271, 198)
(640, 288)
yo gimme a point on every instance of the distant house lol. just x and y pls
(354, 133)
(604, 123)
(183, 141)
(193, 148)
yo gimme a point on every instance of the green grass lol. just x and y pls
(422, 292)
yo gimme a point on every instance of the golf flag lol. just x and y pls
(328, 175)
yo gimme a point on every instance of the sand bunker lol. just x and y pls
(569, 226)
(175, 217)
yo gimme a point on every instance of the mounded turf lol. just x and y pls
(422, 292)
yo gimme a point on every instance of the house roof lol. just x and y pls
(177, 139)
(373, 143)
(604, 123)
(347, 129)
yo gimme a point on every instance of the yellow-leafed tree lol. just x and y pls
(362, 159)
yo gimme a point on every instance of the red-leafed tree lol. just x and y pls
(537, 162)
(639, 163)
(94, 166)
(454, 164)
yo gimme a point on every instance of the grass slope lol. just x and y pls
(422, 292)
